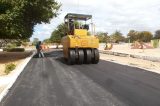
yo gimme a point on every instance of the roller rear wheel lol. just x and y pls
(88, 56)
(71, 57)
(80, 56)
(95, 59)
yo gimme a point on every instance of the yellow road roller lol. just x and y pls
(80, 44)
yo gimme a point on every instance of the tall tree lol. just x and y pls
(18, 17)
(117, 37)
(103, 37)
(144, 36)
(132, 35)
(47, 41)
(55, 37)
(58, 33)
(157, 34)
(62, 29)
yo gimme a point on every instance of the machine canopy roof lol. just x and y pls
(78, 16)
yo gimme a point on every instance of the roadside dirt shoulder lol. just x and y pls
(140, 63)
(11, 57)
(7, 58)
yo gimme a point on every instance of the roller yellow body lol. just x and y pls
(80, 39)
(78, 46)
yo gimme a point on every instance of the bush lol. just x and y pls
(14, 49)
(155, 43)
(24, 44)
(11, 45)
(9, 67)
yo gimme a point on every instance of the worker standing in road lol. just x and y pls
(39, 48)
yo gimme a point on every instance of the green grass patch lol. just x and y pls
(9, 67)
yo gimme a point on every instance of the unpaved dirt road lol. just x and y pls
(50, 82)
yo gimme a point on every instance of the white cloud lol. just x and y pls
(110, 15)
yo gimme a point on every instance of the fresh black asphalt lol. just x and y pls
(50, 81)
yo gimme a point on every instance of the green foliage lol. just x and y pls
(58, 33)
(132, 35)
(117, 37)
(18, 43)
(55, 37)
(47, 41)
(18, 17)
(14, 49)
(77, 24)
(62, 29)
(103, 37)
(11, 45)
(25, 42)
(144, 36)
(9, 67)
(157, 34)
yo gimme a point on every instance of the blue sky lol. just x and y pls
(108, 15)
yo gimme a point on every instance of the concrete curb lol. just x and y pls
(14, 77)
(150, 58)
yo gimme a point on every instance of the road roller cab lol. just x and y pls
(80, 45)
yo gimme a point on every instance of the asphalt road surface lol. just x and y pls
(50, 82)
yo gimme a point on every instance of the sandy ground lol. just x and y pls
(126, 48)
(2, 66)
(144, 64)
(11, 57)
(2, 87)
